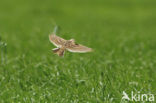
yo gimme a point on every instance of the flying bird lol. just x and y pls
(69, 45)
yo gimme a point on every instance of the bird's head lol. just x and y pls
(72, 40)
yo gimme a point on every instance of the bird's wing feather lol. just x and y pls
(57, 41)
(79, 48)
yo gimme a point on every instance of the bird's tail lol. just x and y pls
(59, 51)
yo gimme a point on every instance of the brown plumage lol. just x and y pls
(70, 45)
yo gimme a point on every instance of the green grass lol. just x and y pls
(122, 34)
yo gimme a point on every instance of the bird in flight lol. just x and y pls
(69, 45)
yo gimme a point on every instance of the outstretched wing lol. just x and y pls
(78, 48)
(57, 41)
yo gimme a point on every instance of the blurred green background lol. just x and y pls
(121, 32)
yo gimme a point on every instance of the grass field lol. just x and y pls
(122, 34)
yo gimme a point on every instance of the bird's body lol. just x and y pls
(59, 51)
(70, 45)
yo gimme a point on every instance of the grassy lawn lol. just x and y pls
(122, 34)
